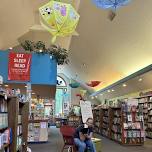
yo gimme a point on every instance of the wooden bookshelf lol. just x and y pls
(97, 117)
(14, 107)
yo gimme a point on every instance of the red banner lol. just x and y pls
(19, 66)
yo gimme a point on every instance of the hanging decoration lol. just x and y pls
(83, 92)
(58, 18)
(74, 85)
(111, 4)
(93, 83)
(80, 96)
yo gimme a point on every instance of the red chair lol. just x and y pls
(67, 133)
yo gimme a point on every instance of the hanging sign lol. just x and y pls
(19, 66)
(86, 110)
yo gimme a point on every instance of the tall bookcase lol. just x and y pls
(145, 103)
(17, 120)
(97, 117)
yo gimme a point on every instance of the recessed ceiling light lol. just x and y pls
(124, 85)
(112, 90)
(25, 86)
(6, 85)
(10, 48)
(108, 90)
(33, 93)
(96, 96)
(140, 79)
(101, 94)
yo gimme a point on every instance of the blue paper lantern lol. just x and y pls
(74, 85)
(110, 4)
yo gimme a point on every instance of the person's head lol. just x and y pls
(89, 122)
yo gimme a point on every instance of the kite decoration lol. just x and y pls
(58, 18)
(111, 4)
(93, 83)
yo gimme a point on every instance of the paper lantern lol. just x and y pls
(74, 85)
(93, 83)
(110, 4)
(113, 4)
(60, 19)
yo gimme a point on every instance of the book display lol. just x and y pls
(38, 122)
(38, 131)
(132, 123)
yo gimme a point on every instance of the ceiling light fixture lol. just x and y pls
(6, 85)
(25, 86)
(124, 85)
(33, 93)
(140, 79)
(108, 90)
(10, 48)
(112, 90)
(96, 96)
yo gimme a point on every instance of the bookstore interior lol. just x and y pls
(68, 87)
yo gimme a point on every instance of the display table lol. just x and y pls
(38, 131)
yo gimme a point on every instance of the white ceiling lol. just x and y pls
(104, 50)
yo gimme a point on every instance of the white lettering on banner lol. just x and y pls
(86, 110)
(19, 55)
(19, 60)
(17, 65)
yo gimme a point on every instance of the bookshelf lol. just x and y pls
(149, 122)
(115, 124)
(97, 120)
(124, 123)
(5, 131)
(145, 102)
(105, 122)
(17, 132)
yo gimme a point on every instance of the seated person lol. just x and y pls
(83, 135)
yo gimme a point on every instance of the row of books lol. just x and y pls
(133, 134)
(116, 137)
(3, 106)
(3, 120)
(5, 138)
(136, 125)
(133, 140)
(19, 143)
(116, 120)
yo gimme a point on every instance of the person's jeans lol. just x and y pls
(82, 145)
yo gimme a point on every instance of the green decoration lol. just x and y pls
(57, 53)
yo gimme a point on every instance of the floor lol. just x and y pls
(55, 145)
